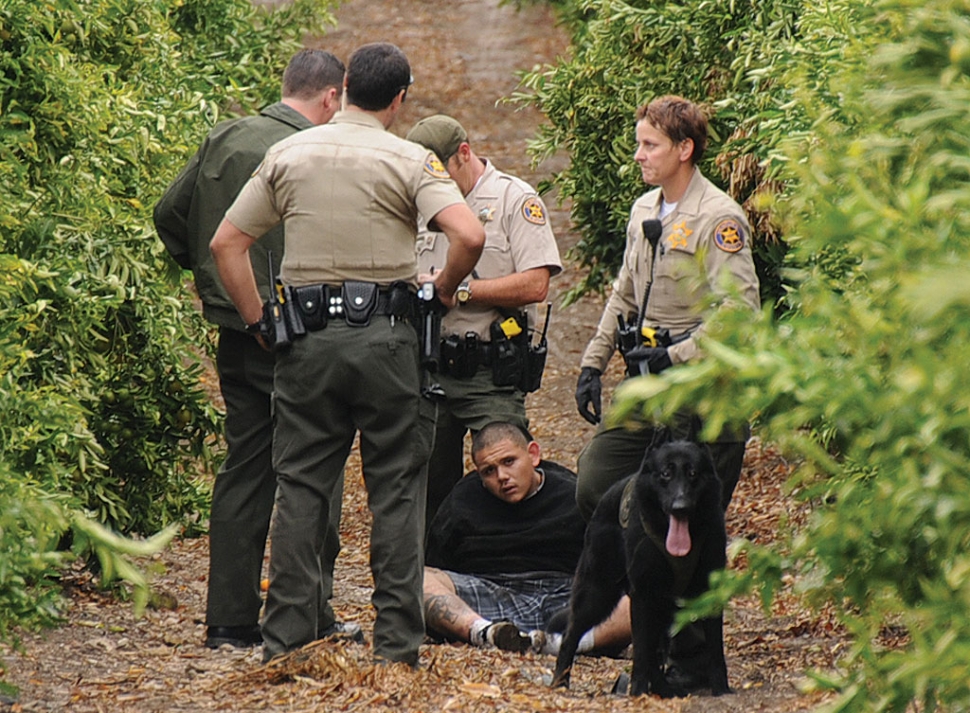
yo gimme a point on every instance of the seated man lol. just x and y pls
(502, 550)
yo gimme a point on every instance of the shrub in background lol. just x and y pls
(873, 358)
(735, 58)
(108, 423)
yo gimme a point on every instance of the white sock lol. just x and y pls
(476, 634)
(586, 643)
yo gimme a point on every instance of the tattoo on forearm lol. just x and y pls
(438, 612)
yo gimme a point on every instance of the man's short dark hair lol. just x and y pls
(679, 119)
(498, 431)
(376, 74)
(310, 72)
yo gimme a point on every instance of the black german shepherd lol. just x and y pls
(657, 535)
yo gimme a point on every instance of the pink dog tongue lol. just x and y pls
(678, 537)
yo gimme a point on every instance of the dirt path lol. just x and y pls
(465, 54)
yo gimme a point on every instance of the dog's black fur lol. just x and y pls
(652, 559)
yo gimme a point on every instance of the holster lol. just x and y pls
(461, 358)
(508, 356)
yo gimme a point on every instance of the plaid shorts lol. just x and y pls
(527, 600)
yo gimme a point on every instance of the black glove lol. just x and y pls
(588, 393)
(647, 360)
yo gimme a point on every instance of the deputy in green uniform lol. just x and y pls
(512, 275)
(186, 218)
(702, 257)
(349, 194)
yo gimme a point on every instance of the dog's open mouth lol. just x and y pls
(678, 537)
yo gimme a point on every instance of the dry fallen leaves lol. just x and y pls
(106, 660)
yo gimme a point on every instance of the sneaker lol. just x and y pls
(343, 631)
(506, 636)
(239, 637)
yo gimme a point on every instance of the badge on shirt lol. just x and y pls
(486, 214)
(678, 235)
(534, 212)
(434, 167)
(729, 236)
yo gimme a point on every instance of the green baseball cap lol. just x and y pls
(438, 133)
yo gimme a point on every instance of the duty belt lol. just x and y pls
(354, 302)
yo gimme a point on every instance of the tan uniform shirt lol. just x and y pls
(349, 194)
(518, 237)
(705, 242)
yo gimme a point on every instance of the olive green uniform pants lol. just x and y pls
(331, 384)
(614, 453)
(468, 405)
(245, 488)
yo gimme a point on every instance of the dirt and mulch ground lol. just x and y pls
(465, 54)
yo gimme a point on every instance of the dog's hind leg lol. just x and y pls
(592, 601)
(598, 585)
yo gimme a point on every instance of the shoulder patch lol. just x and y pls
(533, 211)
(729, 236)
(434, 167)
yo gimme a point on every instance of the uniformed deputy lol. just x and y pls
(703, 245)
(512, 275)
(349, 194)
(702, 253)
(186, 218)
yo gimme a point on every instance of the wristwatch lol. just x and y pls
(254, 327)
(464, 293)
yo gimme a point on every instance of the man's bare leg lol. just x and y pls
(615, 632)
(444, 611)
(447, 613)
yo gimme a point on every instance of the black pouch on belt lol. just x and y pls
(311, 301)
(507, 357)
(360, 301)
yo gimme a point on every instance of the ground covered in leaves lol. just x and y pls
(465, 54)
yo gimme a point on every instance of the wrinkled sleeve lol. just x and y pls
(171, 214)
(622, 301)
(255, 209)
(731, 276)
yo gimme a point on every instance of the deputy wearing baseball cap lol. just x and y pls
(512, 275)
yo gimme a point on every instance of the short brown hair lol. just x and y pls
(679, 119)
(310, 72)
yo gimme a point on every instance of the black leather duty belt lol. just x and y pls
(354, 302)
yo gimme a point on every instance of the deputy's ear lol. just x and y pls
(686, 149)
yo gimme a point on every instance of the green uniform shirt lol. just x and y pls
(195, 203)
(704, 246)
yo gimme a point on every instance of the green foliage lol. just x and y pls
(739, 59)
(108, 423)
(623, 55)
(865, 381)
